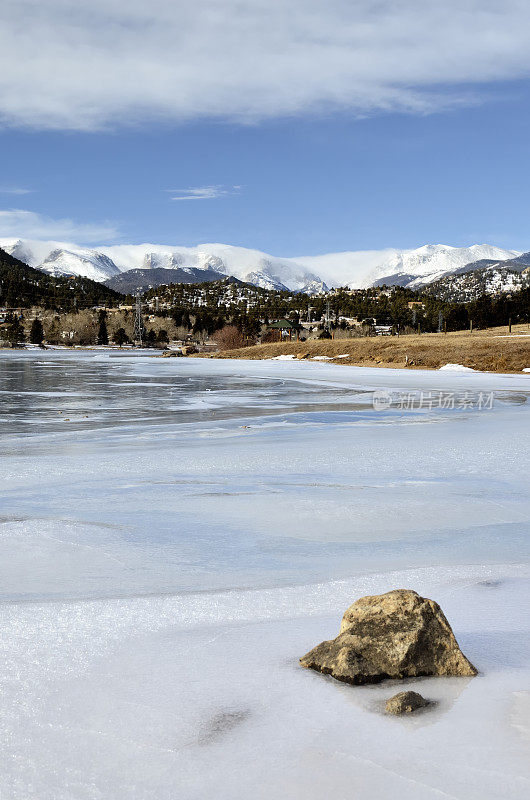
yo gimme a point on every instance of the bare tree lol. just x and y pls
(230, 338)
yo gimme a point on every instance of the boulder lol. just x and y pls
(394, 635)
(405, 703)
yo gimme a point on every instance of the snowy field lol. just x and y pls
(176, 533)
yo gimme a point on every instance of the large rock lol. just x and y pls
(394, 635)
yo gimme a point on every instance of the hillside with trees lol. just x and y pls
(210, 306)
(23, 287)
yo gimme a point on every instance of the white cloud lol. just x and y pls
(202, 192)
(27, 224)
(71, 65)
(14, 190)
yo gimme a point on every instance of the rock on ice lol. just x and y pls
(394, 635)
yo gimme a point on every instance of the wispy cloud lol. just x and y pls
(202, 192)
(128, 62)
(18, 190)
(18, 222)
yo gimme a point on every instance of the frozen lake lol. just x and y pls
(177, 532)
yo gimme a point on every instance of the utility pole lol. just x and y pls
(138, 321)
(327, 323)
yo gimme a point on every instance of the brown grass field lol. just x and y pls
(493, 350)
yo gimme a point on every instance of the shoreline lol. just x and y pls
(490, 351)
(483, 351)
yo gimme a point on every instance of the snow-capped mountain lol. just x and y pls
(251, 266)
(466, 285)
(412, 268)
(61, 258)
(88, 263)
(518, 264)
(312, 274)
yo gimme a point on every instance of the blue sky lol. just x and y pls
(298, 174)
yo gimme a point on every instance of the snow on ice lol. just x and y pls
(168, 554)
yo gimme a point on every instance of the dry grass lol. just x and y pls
(489, 350)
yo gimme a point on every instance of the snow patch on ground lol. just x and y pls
(456, 368)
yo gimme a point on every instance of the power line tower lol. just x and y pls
(138, 321)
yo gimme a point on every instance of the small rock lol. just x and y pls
(394, 635)
(405, 703)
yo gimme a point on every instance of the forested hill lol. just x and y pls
(22, 286)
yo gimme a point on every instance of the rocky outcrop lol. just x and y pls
(394, 635)
(405, 703)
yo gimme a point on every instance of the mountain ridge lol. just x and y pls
(23, 286)
(413, 268)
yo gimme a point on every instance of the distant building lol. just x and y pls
(285, 329)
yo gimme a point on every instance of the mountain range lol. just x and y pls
(127, 267)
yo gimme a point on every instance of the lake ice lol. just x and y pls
(176, 533)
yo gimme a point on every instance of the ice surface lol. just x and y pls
(168, 553)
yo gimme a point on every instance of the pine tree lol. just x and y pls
(120, 337)
(36, 334)
(14, 332)
(103, 336)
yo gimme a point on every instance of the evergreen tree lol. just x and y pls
(103, 336)
(185, 320)
(36, 334)
(14, 332)
(120, 337)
